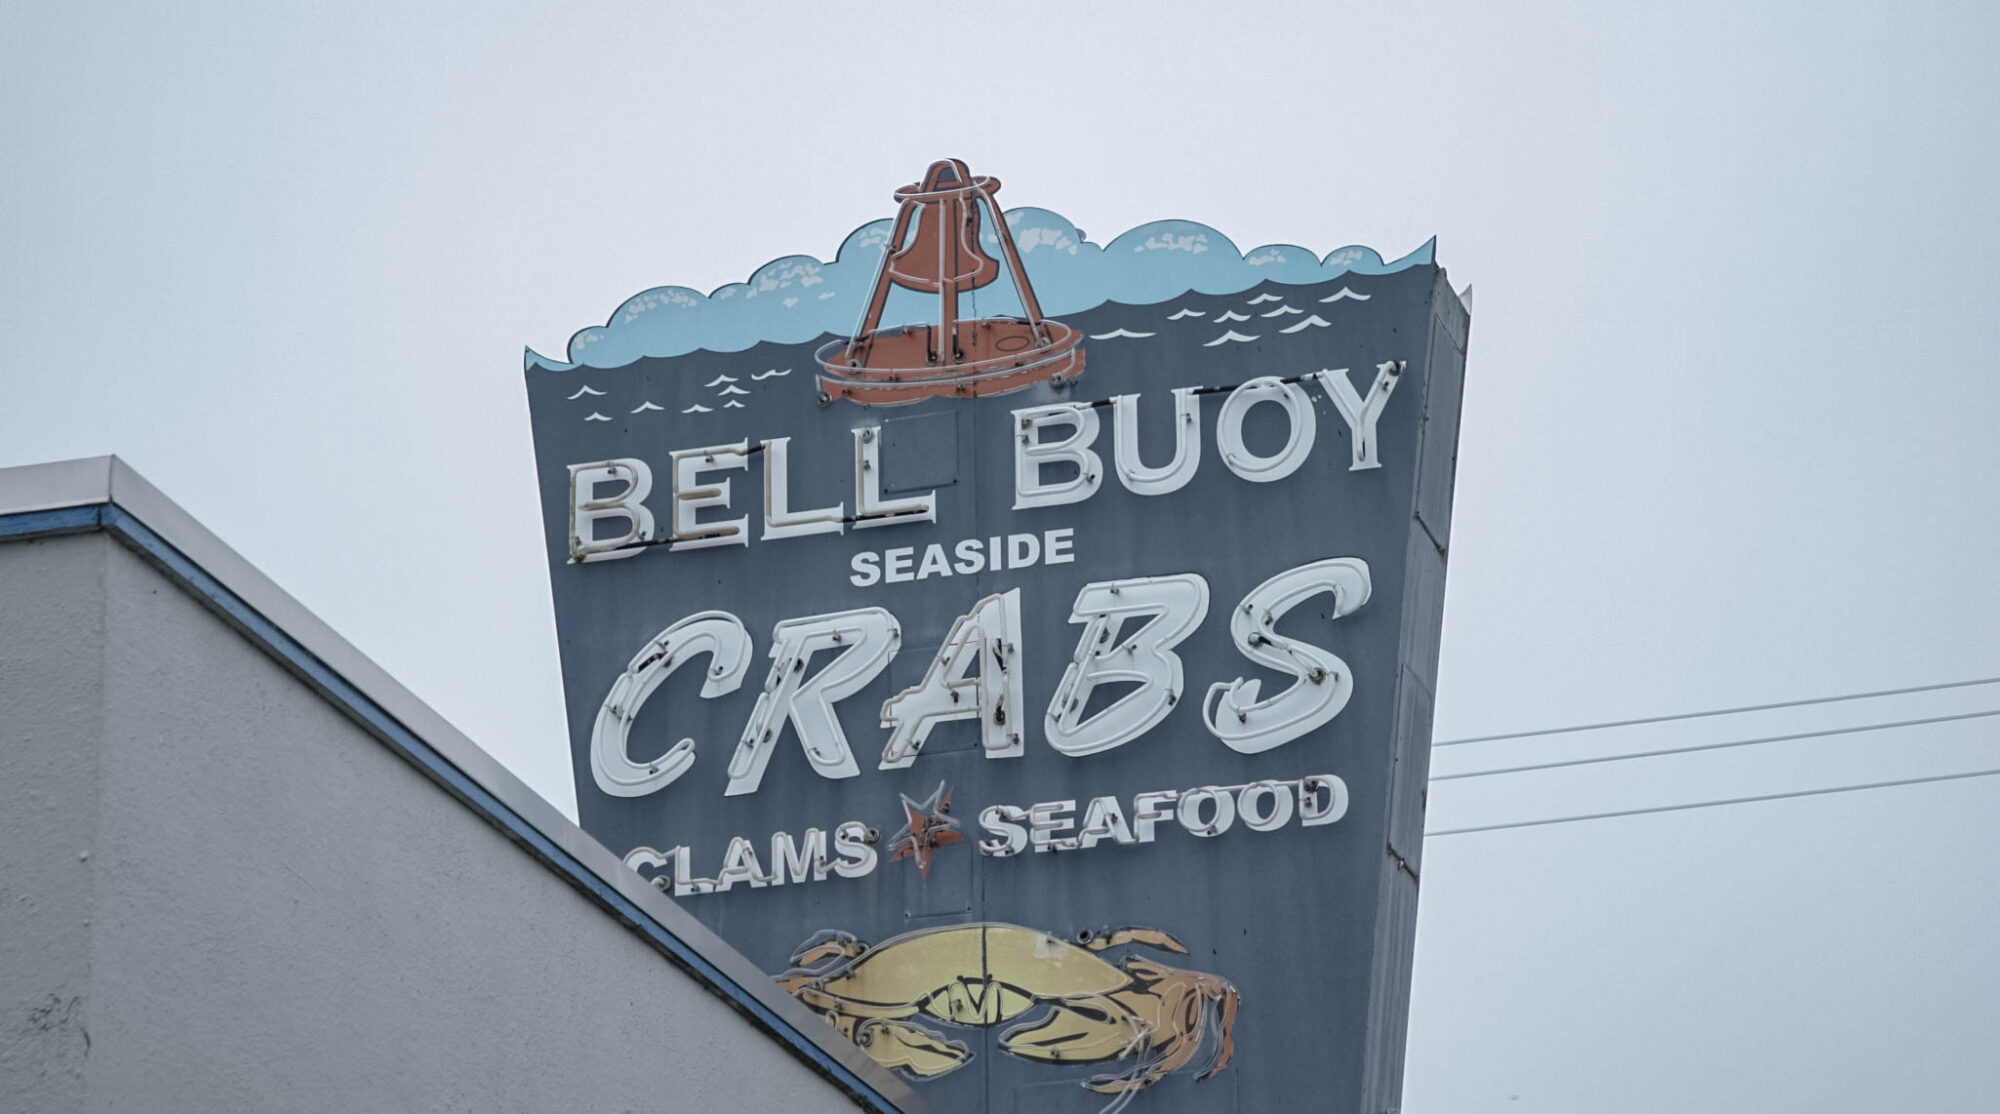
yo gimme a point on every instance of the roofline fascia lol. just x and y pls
(105, 494)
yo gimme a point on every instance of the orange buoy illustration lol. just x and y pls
(935, 248)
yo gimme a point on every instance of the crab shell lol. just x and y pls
(977, 974)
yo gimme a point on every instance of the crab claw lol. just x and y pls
(912, 1049)
(828, 944)
(1085, 1029)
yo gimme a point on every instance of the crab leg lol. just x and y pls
(1151, 937)
(1228, 1000)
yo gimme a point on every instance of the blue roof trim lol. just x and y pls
(121, 524)
(41, 524)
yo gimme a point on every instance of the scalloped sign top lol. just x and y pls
(797, 298)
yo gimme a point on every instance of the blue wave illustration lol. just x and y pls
(798, 298)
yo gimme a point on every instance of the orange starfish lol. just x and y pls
(931, 827)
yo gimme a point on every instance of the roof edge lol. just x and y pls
(104, 493)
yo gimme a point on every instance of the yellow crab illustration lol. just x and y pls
(984, 974)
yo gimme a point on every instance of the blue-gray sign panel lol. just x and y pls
(1059, 977)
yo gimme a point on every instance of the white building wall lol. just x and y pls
(218, 893)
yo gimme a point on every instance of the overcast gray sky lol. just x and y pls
(1727, 423)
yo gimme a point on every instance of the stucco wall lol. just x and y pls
(51, 714)
(276, 912)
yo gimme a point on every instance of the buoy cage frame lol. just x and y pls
(953, 357)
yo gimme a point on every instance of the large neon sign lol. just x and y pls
(1029, 607)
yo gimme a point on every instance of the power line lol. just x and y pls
(1717, 712)
(1714, 804)
(1716, 746)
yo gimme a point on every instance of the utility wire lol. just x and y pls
(1717, 712)
(1716, 746)
(1714, 804)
